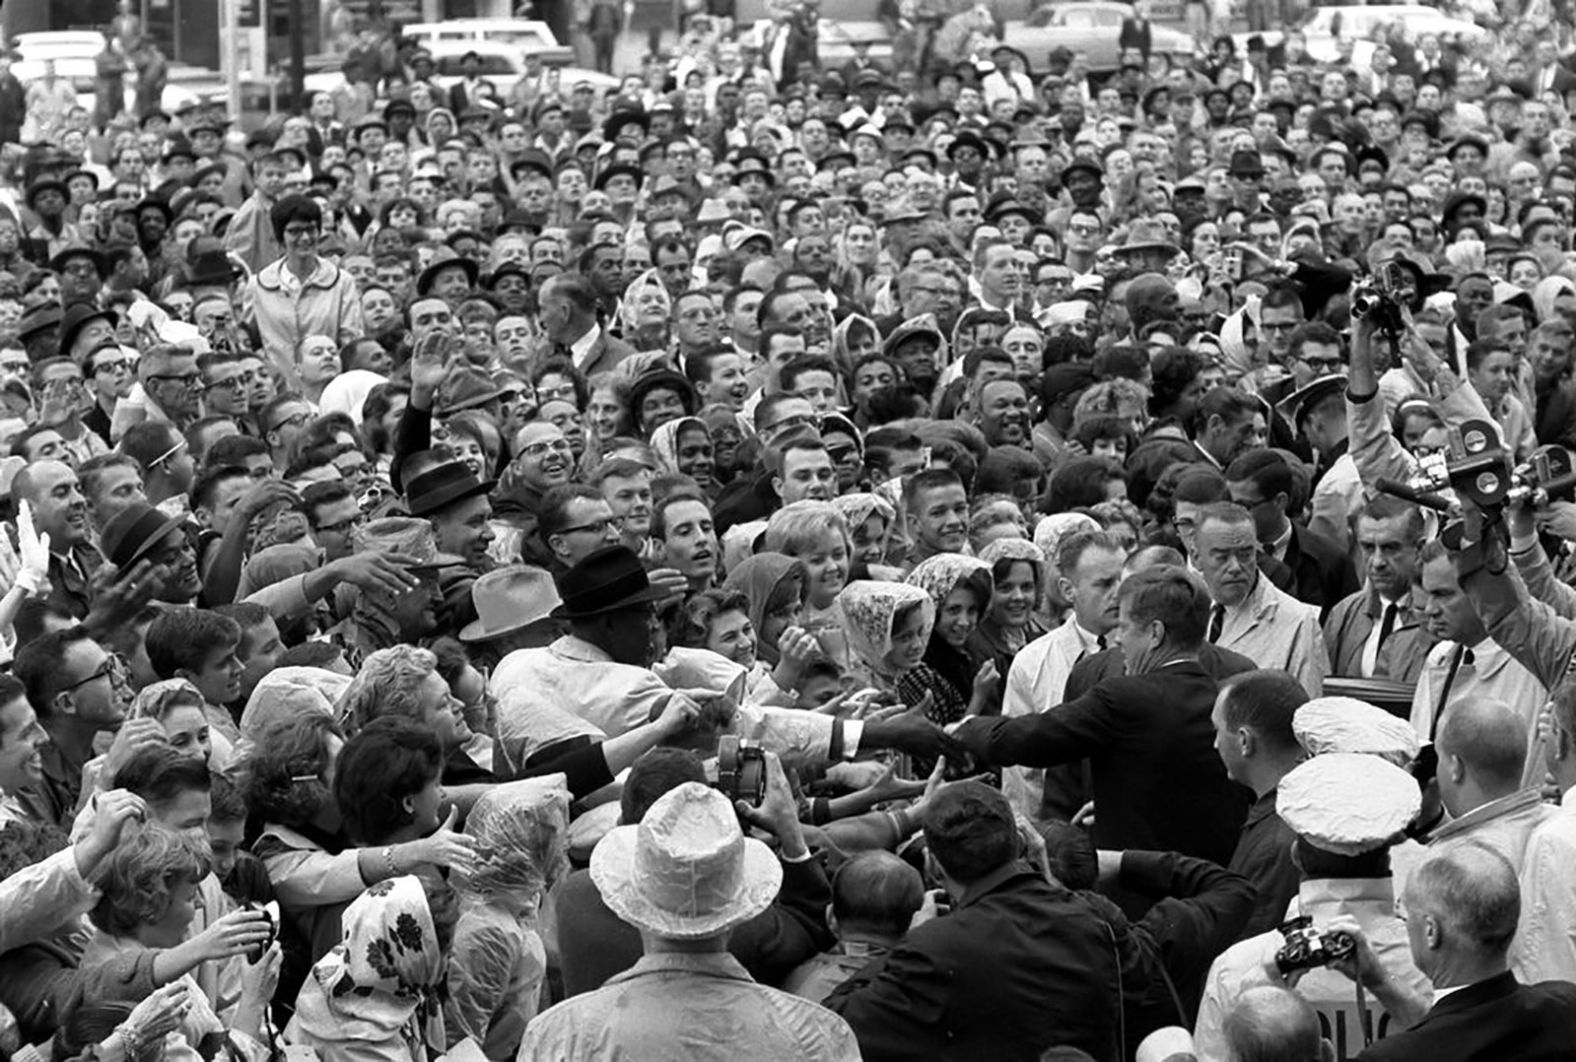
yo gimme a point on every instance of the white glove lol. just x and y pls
(34, 551)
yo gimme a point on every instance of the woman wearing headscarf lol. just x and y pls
(1554, 299)
(871, 523)
(1017, 569)
(347, 392)
(684, 446)
(439, 126)
(888, 629)
(646, 312)
(957, 682)
(773, 585)
(854, 337)
(376, 997)
(497, 961)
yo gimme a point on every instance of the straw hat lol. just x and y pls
(510, 599)
(687, 871)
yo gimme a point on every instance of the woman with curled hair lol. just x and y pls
(815, 534)
(147, 899)
(380, 415)
(314, 870)
(1009, 622)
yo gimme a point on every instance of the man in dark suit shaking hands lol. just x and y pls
(1158, 782)
(1462, 907)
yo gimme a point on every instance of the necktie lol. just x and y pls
(1217, 620)
(1100, 641)
(1387, 626)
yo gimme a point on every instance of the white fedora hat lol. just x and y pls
(687, 870)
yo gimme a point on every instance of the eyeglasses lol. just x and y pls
(234, 383)
(113, 668)
(538, 449)
(117, 366)
(187, 381)
(343, 526)
(597, 527)
(294, 421)
(1276, 327)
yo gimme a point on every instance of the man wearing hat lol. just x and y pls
(380, 618)
(47, 199)
(455, 502)
(141, 532)
(686, 877)
(1347, 812)
(601, 671)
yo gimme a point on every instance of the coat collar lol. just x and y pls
(271, 276)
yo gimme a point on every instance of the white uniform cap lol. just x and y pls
(1348, 803)
(1346, 724)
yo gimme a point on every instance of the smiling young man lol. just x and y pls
(201, 647)
(938, 513)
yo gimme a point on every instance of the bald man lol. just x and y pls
(1270, 1023)
(1482, 747)
(1462, 908)
(61, 511)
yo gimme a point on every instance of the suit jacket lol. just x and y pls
(1321, 572)
(1159, 784)
(1135, 34)
(1351, 622)
(1493, 1019)
(1018, 966)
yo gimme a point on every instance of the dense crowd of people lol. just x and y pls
(796, 561)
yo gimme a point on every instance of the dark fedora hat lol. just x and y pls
(76, 318)
(662, 380)
(48, 184)
(133, 533)
(210, 268)
(100, 263)
(620, 169)
(430, 274)
(608, 580)
(442, 486)
(38, 319)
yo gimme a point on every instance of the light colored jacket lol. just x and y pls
(1036, 682)
(1280, 632)
(1545, 945)
(288, 310)
(42, 897)
(1371, 901)
(694, 1008)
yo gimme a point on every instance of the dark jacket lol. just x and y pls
(1556, 414)
(1018, 966)
(1493, 1019)
(1065, 792)
(1158, 781)
(594, 944)
(1263, 857)
(1195, 911)
(1321, 573)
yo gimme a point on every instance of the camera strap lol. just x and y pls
(1456, 659)
(1364, 1018)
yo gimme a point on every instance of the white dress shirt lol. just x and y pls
(1492, 674)
(1037, 681)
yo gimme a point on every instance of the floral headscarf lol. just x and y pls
(1015, 549)
(861, 506)
(1050, 531)
(939, 575)
(665, 440)
(757, 578)
(870, 608)
(153, 701)
(385, 977)
(522, 827)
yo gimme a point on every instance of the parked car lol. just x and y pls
(1327, 27)
(501, 63)
(59, 44)
(1090, 27)
(523, 34)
